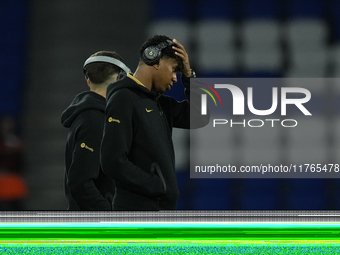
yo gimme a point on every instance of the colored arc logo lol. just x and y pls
(208, 92)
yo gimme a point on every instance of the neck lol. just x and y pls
(143, 74)
(100, 91)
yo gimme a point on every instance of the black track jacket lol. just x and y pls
(137, 149)
(86, 186)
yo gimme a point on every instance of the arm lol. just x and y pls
(85, 165)
(118, 136)
(180, 111)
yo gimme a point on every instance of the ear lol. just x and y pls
(88, 82)
(156, 66)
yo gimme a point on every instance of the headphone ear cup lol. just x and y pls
(151, 55)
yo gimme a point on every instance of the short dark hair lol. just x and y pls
(99, 72)
(167, 52)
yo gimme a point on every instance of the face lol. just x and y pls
(166, 75)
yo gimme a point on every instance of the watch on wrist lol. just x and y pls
(193, 74)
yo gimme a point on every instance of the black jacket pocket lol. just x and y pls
(155, 168)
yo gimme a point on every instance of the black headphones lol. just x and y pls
(152, 54)
(109, 60)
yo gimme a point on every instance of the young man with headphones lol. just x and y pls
(137, 149)
(86, 186)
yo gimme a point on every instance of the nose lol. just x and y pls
(174, 77)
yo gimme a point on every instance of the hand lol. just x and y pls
(109, 197)
(181, 52)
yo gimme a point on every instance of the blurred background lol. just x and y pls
(43, 45)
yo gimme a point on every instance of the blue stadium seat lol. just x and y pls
(261, 194)
(261, 202)
(309, 63)
(308, 202)
(176, 9)
(215, 50)
(335, 18)
(215, 74)
(335, 58)
(262, 74)
(264, 9)
(337, 183)
(306, 8)
(212, 194)
(261, 45)
(13, 27)
(171, 18)
(306, 34)
(216, 9)
(307, 194)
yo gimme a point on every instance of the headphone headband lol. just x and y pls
(106, 59)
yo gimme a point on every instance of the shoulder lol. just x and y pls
(90, 119)
(123, 95)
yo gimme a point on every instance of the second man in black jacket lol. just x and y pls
(86, 186)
